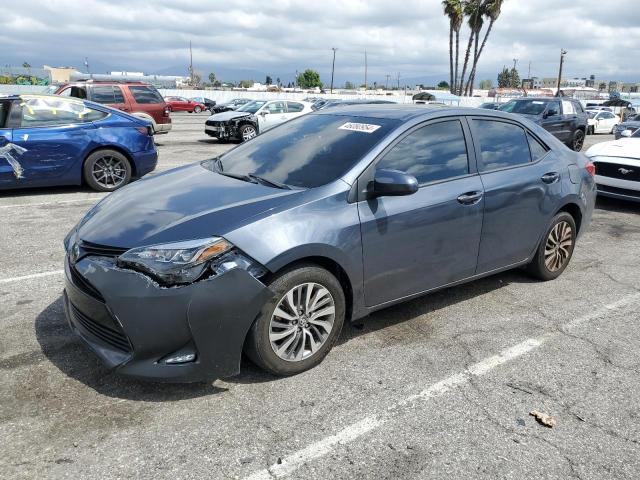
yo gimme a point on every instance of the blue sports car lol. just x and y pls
(50, 140)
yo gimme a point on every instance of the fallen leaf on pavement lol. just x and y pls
(543, 418)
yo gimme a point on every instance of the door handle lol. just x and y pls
(470, 198)
(550, 177)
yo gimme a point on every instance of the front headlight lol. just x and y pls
(178, 262)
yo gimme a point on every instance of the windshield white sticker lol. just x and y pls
(359, 127)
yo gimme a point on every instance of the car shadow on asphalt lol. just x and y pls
(615, 205)
(66, 352)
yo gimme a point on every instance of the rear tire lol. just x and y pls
(300, 324)
(577, 141)
(106, 170)
(197, 109)
(556, 248)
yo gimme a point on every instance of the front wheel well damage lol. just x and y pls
(328, 264)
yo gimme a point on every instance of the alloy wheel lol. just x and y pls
(248, 133)
(302, 322)
(558, 247)
(109, 172)
(578, 141)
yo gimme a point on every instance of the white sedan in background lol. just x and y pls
(254, 118)
(601, 121)
(618, 166)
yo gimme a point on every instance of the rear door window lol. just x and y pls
(102, 94)
(44, 112)
(431, 153)
(118, 97)
(144, 94)
(567, 108)
(293, 107)
(502, 145)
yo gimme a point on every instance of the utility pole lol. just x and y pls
(529, 71)
(86, 64)
(563, 52)
(387, 84)
(333, 66)
(398, 81)
(365, 71)
(190, 63)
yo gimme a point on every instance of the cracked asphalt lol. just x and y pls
(439, 387)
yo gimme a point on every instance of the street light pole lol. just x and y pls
(562, 54)
(333, 66)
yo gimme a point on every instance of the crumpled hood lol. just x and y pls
(225, 116)
(181, 204)
(624, 147)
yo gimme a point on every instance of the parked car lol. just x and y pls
(253, 118)
(490, 105)
(632, 125)
(182, 104)
(230, 105)
(48, 140)
(563, 118)
(207, 102)
(272, 246)
(617, 166)
(602, 121)
(137, 98)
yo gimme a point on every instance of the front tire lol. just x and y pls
(297, 328)
(247, 132)
(106, 170)
(556, 248)
(197, 109)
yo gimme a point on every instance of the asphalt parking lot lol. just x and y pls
(440, 387)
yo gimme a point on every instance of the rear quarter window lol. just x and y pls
(143, 94)
(102, 94)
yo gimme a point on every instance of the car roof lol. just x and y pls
(407, 112)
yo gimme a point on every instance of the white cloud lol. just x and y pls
(281, 36)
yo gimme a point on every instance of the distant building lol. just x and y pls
(60, 74)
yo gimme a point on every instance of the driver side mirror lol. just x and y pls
(264, 112)
(392, 183)
(550, 113)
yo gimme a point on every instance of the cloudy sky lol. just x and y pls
(282, 36)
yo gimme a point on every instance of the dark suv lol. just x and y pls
(564, 118)
(137, 98)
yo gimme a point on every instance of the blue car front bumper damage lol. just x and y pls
(133, 324)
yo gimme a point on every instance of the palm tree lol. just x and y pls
(491, 10)
(472, 10)
(453, 10)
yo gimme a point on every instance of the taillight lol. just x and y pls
(145, 130)
(167, 110)
(591, 168)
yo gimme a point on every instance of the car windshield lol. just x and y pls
(526, 107)
(252, 107)
(306, 152)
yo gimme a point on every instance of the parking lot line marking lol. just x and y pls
(295, 460)
(58, 202)
(33, 275)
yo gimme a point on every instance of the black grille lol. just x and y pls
(213, 123)
(87, 248)
(111, 336)
(619, 191)
(614, 170)
(82, 284)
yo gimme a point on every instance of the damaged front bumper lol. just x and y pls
(138, 327)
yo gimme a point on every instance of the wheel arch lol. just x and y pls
(329, 264)
(574, 210)
(117, 148)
